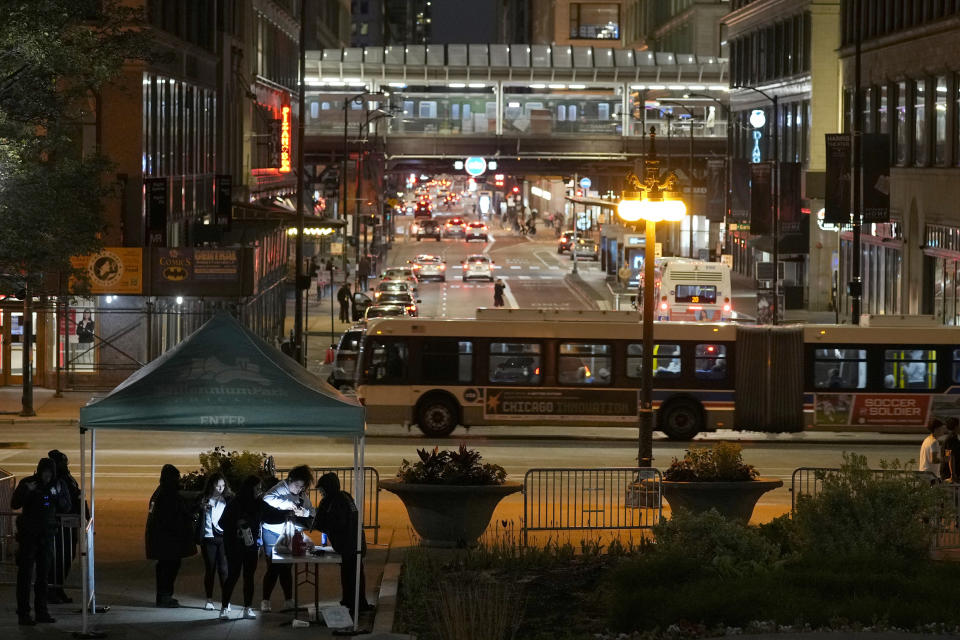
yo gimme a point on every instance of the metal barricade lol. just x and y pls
(591, 499)
(371, 493)
(808, 481)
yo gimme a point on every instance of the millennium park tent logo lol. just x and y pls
(210, 377)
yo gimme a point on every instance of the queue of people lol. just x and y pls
(233, 531)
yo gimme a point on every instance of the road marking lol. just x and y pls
(516, 267)
(550, 278)
(534, 267)
(536, 254)
(524, 278)
(510, 299)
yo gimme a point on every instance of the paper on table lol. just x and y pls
(336, 617)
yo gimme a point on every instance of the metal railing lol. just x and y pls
(808, 481)
(8, 570)
(591, 499)
(371, 493)
(63, 551)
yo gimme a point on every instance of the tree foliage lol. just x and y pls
(55, 57)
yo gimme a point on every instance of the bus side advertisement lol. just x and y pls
(883, 409)
(618, 405)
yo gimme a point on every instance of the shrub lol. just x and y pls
(722, 462)
(715, 543)
(460, 467)
(861, 514)
(234, 465)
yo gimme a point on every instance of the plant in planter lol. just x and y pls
(716, 478)
(234, 465)
(450, 496)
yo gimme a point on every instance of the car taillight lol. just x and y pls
(410, 307)
(727, 308)
(442, 267)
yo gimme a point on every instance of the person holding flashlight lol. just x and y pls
(289, 498)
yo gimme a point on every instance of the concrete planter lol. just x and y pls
(734, 500)
(447, 515)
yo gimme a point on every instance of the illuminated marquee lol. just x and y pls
(285, 141)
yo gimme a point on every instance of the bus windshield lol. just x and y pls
(704, 294)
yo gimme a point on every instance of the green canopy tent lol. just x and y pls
(221, 379)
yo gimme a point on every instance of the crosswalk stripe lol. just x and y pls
(524, 278)
(516, 266)
(534, 267)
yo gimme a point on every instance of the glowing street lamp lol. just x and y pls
(652, 200)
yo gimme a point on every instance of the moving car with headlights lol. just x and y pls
(391, 286)
(427, 229)
(427, 266)
(455, 228)
(404, 300)
(401, 274)
(586, 249)
(384, 311)
(565, 242)
(477, 231)
(478, 266)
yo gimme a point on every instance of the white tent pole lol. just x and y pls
(93, 530)
(358, 471)
(84, 565)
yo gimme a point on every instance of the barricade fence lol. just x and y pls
(8, 571)
(808, 481)
(63, 551)
(613, 498)
(371, 493)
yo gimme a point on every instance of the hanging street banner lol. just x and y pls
(876, 177)
(837, 186)
(716, 189)
(740, 195)
(761, 209)
(156, 202)
(224, 204)
(113, 271)
(794, 225)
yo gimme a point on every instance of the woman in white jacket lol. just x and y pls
(287, 498)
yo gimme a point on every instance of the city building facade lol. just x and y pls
(683, 26)
(910, 90)
(786, 49)
(565, 22)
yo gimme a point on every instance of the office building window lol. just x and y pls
(901, 124)
(921, 137)
(594, 21)
(940, 123)
(883, 123)
(867, 106)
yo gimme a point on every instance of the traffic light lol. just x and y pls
(516, 189)
(498, 180)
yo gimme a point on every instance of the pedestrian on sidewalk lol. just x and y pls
(498, 290)
(66, 536)
(950, 460)
(242, 537)
(337, 517)
(930, 451)
(290, 499)
(212, 504)
(343, 297)
(363, 272)
(39, 497)
(169, 534)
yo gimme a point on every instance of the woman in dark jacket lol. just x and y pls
(169, 534)
(338, 518)
(241, 522)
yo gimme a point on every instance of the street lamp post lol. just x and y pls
(653, 200)
(298, 296)
(775, 307)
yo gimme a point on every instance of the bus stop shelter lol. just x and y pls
(221, 379)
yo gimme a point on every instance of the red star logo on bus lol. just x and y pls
(493, 402)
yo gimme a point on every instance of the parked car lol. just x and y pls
(478, 266)
(345, 361)
(360, 303)
(427, 266)
(565, 242)
(428, 229)
(384, 311)
(404, 300)
(455, 228)
(586, 249)
(477, 231)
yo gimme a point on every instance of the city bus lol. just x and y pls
(694, 290)
(532, 367)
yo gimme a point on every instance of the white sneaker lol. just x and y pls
(265, 606)
(209, 606)
(288, 603)
(228, 607)
(224, 614)
(249, 614)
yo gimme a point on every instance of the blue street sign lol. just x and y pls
(585, 183)
(475, 166)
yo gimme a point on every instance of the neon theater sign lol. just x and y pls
(285, 139)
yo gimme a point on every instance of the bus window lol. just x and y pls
(447, 361)
(584, 363)
(388, 362)
(711, 362)
(956, 365)
(696, 293)
(515, 363)
(909, 368)
(840, 368)
(666, 360)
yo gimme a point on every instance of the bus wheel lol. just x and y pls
(681, 419)
(437, 416)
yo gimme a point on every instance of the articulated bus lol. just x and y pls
(530, 367)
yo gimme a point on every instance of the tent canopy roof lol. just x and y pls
(223, 378)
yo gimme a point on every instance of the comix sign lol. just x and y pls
(285, 140)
